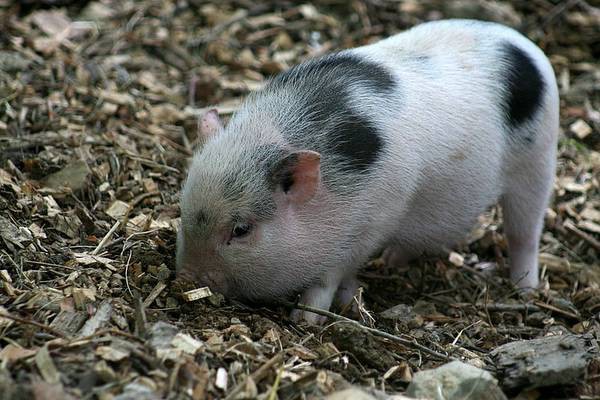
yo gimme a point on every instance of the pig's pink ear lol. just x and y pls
(299, 176)
(209, 124)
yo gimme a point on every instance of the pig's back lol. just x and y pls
(471, 98)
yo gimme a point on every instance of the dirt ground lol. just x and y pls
(98, 112)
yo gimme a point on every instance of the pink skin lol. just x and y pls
(304, 167)
(209, 124)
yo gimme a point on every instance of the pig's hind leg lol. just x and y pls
(527, 191)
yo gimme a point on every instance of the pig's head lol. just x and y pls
(242, 210)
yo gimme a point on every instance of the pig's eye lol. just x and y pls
(240, 230)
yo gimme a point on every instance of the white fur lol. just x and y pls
(447, 158)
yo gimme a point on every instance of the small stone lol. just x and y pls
(453, 381)
(456, 259)
(221, 379)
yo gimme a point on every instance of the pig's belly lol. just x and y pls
(441, 219)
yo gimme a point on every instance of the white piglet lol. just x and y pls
(398, 145)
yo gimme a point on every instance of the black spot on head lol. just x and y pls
(282, 172)
(331, 122)
(524, 86)
(247, 186)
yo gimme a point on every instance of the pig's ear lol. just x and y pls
(209, 124)
(298, 175)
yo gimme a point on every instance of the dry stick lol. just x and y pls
(256, 375)
(101, 332)
(556, 310)
(588, 238)
(34, 323)
(405, 342)
(524, 307)
(106, 237)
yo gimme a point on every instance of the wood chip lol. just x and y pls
(580, 128)
(5, 276)
(98, 320)
(156, 291)
(186, 343)
(110, 353)
(46, 366)
(197, 294)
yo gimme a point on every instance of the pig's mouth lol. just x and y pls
(263, 295)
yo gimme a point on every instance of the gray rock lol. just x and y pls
(547, 361)
(453, 381)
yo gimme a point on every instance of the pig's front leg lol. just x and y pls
(318, 297)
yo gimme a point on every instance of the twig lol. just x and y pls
(127, 275)
(523, 307)
(256, 375)
(405, 342)
(106, 238)
(556, 310)
(47, 328)
(275, 387)
(588, 238)
(123, 220)
(502, 307)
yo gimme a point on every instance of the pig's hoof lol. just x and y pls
(311, 318)
(395, 257)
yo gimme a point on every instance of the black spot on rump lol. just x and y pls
(331, 122)
(524, 86)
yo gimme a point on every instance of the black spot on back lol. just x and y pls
(330, 123)
(524, 86)
(335, 65)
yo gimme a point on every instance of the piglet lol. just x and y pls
(397, 145)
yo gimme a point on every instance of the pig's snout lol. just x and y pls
(200, 276)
